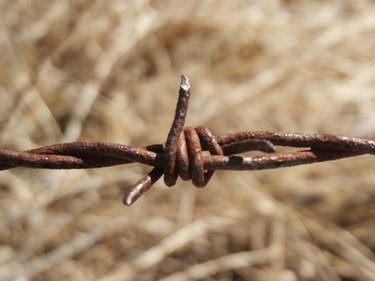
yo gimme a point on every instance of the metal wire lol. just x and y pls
(182, 155)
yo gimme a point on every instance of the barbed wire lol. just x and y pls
(182, 156)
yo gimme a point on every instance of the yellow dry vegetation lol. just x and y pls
(109, 70)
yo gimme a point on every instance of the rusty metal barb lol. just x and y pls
(183, 154)
(170, 171)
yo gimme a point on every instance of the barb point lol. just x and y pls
(185, 84)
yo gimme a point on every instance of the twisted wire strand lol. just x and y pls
(182, 156)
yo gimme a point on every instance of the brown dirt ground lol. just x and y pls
(109, 70)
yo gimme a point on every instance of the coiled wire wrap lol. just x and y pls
(183, 151)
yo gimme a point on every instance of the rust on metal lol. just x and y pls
(183, 154)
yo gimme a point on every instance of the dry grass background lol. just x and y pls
(109, 70)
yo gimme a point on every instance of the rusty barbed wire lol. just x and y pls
(182, 154)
